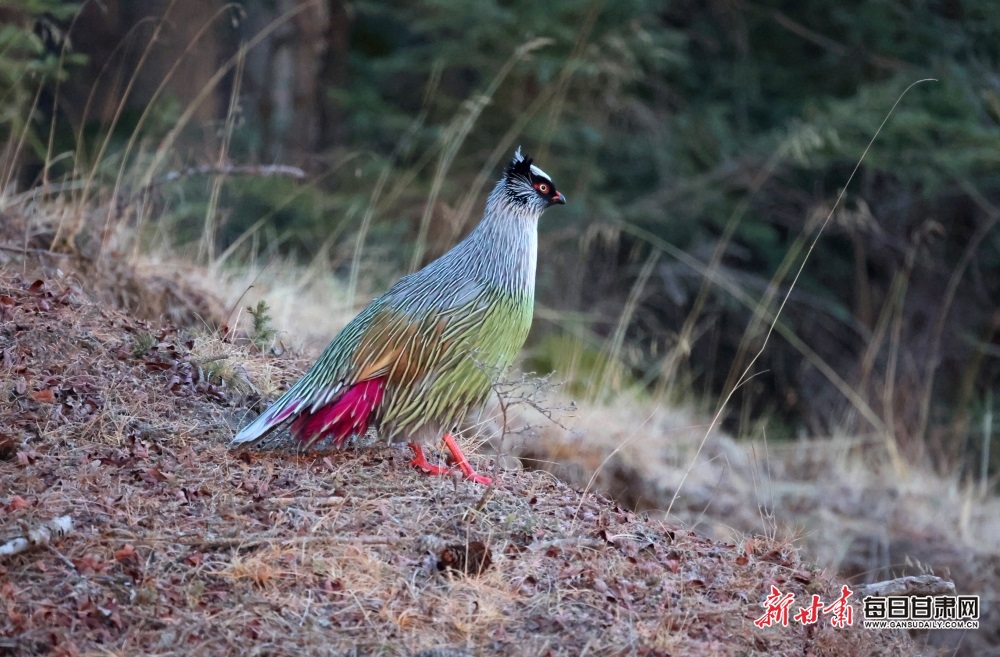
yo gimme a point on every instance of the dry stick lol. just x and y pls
(571, 542)
(62, 557)
(315, 501)
(254, 541)
(182, 121)
(27, 251)
(402, 148)
(618, 337)
(277, 169)
(135, 133)
(788, 294)
(823, 41)
(8, 174)
(206, 246)
(263, 171)
(684, 338)
(912, 585)
(497, 388)
(488, 493)
(737, 293)
(956, 277)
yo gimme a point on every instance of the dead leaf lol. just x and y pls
(46, 396)
(88, 565)
(158, 475)
(17, 502)
(126, 552)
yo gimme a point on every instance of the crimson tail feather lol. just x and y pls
(348, 415)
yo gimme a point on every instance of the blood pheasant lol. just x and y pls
(419, 357)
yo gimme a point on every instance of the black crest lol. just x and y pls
(519, 167)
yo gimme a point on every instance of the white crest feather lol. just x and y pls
(538, 172)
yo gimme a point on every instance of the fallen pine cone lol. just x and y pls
(471, 559)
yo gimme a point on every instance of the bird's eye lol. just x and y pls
(543, 188)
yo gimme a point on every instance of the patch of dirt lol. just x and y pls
(183, 547)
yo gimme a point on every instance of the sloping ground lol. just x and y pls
(182, 547)
(840, 500)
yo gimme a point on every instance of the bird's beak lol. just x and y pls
(558, 199)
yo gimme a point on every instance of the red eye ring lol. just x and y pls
(543, 188)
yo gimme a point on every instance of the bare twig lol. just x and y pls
(255, 541)
(570, 542)
(26, 251)
(308, 501)
(262, 171)
(913, 585)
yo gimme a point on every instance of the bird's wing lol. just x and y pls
(393, 338)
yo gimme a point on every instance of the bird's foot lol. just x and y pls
(463, 463)
(419, 461)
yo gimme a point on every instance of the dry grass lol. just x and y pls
(839, 500)
(183, 547)
(309, 307)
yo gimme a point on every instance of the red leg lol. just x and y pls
(463, 463)
(420, 461)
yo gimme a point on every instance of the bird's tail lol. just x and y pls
(349, 412)
(267, 421)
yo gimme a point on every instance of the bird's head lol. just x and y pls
(528, 185)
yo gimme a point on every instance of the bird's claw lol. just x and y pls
(420, 462)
